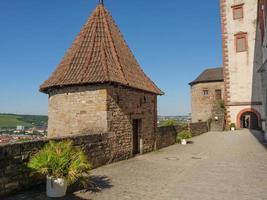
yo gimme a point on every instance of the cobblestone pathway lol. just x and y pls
(217, 166)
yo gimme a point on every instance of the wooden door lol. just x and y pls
(136, 136)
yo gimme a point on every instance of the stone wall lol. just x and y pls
(166, 136)
(105, 108)
(125, 105)
(15, 176)
(101, 149)
(198, 128)
(77, 110)
(202, 105)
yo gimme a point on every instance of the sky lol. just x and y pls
(173, 41)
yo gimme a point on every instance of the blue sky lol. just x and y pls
(172, 40)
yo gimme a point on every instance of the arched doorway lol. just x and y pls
(249, 118)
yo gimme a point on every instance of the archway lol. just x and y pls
(249, 118)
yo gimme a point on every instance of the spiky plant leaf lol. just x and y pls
(61, 160)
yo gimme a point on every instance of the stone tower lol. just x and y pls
(100, 87)
(243, 28)
(206, 92)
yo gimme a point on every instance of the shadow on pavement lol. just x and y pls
(99, 183)
(94, 185)
(259, 135)
(39, 194)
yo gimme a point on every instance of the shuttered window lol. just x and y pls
(241, 42)
(238, 12)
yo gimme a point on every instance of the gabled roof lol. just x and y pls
(209, 75)
(99, 54)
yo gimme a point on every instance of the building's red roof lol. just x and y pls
(99, 54)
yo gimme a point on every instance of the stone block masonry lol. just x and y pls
(202, 105)
(15, 176)
(166, 136)
(198, 128)
(77, 110)
(104, 108)
(125, 105)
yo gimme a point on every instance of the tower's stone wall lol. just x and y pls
(125, 105)
(202, 105)
(106, 108)
(77, 110)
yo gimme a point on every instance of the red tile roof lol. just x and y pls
(99, 54)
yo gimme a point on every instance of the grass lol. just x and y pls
(28, 121)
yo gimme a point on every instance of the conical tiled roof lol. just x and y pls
(99, 54)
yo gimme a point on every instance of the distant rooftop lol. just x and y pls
(209, 75)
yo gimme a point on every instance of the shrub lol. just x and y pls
(221, 104)
(183, 135)
(232, 125)
(183, 126)
(170, 122)
(61, 160)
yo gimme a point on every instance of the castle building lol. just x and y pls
(99, 87)
(244, 53)
(243, 33)
(206, 90)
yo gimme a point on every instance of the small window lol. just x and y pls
(140, 101)
(241, 42)
(205, 92)
(238, 12)
(218, 95)
(118, 99)
(145, 99)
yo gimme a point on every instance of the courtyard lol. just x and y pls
(215, 165)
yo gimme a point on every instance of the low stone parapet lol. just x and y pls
(198, 128)
(15, 176)
(101, 149)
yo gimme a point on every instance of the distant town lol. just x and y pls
(20, 128)
(173, 120)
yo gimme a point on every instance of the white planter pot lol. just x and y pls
(232, 128)
(183, 142)
(56, 187)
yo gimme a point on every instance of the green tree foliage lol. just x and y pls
(169, 122)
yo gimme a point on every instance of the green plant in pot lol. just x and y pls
(62, 164)
(183, 136)
(232, 126)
